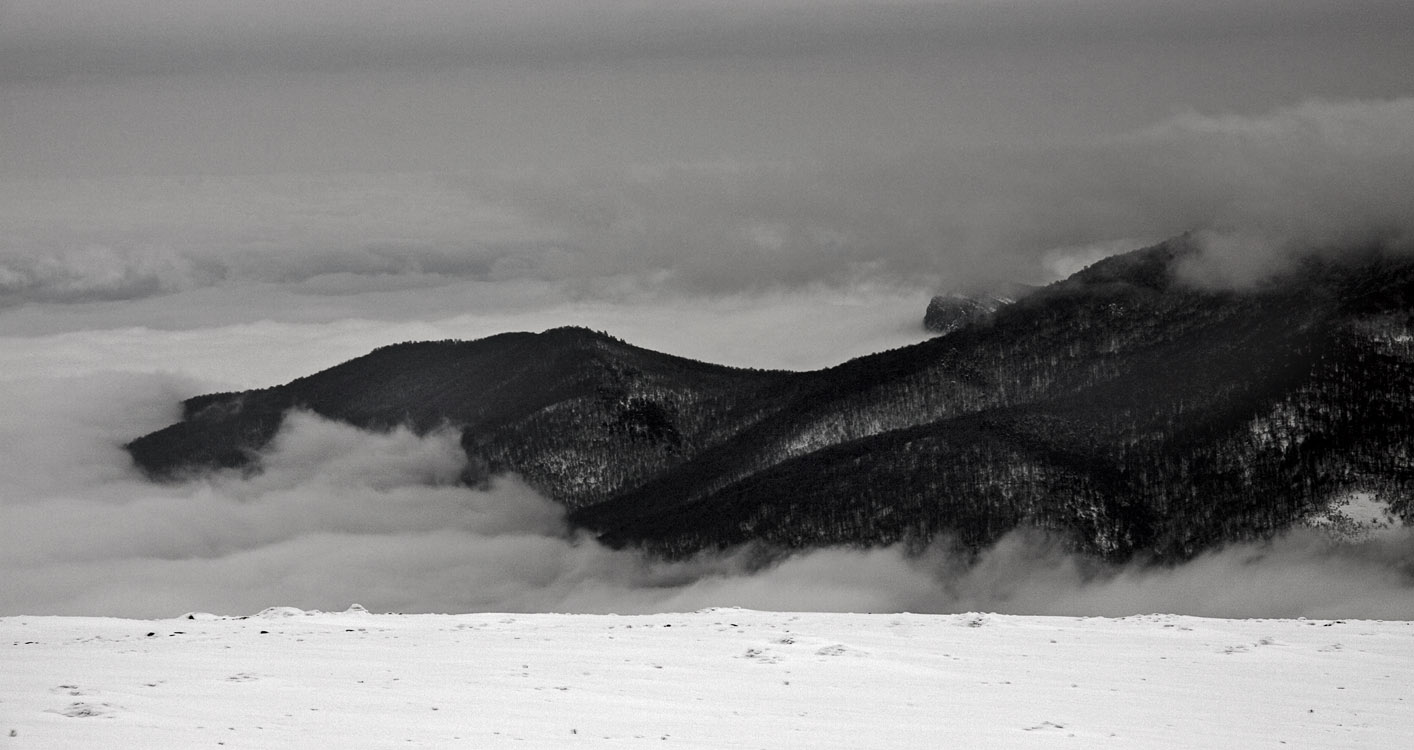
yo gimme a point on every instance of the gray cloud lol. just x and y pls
(1318, 176)
(161, 87)
(159, 36)
(349, 148)
(138, 237)
(341, 515)
(1313, 176)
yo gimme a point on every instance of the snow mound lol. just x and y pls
(274, 613)
(719, 610)
(201, 616)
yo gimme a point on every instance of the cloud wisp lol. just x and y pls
(340, 515)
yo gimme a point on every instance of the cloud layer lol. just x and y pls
(341, 515)
(703, 145)
(1319, 176)
(150, 36)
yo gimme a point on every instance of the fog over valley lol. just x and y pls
(340, 514)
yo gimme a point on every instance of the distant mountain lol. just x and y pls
(579, 413)
(1128, 411)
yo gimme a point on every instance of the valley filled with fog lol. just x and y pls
(339, 514)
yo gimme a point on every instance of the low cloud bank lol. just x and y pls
(258, 338)
(341, 515)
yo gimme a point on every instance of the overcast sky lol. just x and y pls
(706, 146)
(200, 195)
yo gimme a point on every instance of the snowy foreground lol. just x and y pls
(710, 679)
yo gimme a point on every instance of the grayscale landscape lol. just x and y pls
(933, 372)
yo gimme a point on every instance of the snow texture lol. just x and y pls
(720, 678)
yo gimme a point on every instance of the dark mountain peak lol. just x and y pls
(569, 378)
(513, 341)
(1351, 273)
(949, 312)
(1153, 267)
(576, 333)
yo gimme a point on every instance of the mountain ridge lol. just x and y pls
(1120, 407)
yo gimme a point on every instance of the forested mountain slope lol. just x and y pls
(578, 413)
(1132, 412)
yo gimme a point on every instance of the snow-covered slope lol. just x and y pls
(720, 678)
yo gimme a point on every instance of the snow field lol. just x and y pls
(720, 678)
